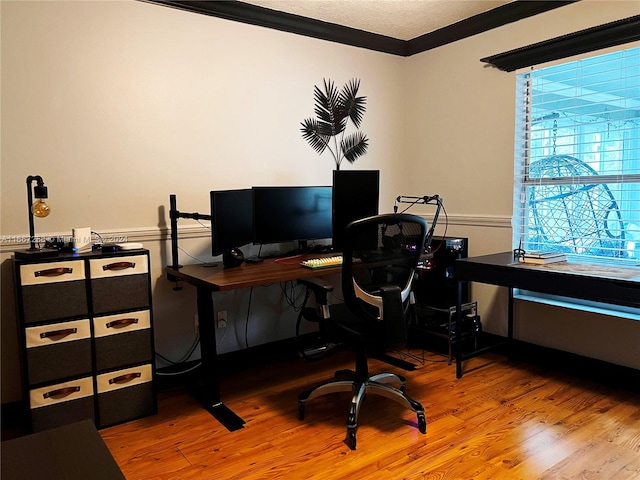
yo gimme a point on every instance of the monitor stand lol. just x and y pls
(304, 248)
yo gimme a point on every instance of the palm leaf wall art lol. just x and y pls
(333, 109)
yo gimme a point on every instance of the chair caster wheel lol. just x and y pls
(422, 423)
(351, 439)
(300, 411)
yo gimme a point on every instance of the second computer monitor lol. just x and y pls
(355, 195)
(231, 220)
(291, 214)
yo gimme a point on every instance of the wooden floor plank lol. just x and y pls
(504, 419)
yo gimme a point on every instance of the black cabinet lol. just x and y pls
(87, 337)
(435, 292)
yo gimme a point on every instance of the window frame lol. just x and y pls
(523, 159)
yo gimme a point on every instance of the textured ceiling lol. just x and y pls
(401, 19)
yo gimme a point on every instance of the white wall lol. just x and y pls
(460, 141)
(118, 104)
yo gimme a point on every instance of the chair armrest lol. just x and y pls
(393, 314)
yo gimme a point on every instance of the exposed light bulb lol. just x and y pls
(40, 208)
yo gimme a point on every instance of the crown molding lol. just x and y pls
(610, 34)
(287, 22)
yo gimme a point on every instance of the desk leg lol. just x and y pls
(510, 321)
(209, 355)
(457, 334)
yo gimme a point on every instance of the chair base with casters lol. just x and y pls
(361, 384)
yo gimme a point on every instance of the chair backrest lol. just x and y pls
(380, 254)
(577, 218)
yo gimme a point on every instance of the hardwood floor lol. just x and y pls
(504, 419)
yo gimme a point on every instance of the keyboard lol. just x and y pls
(324, 262)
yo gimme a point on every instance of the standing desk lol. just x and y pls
(598, 283)
(211, 278)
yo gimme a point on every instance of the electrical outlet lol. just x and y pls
(222, 318)
(196, 325)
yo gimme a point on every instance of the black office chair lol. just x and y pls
(380, 254)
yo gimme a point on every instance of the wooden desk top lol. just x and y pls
(218, 278)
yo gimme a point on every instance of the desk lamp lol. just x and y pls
(39, 209)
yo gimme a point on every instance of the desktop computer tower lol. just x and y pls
(435, 285)
(356, 194)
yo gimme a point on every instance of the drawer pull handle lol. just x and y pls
(61, 392)
(119, 266)
(125, 378)
(123, 322)
(59, 333)
(53, 272)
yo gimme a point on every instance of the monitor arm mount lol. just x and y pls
(424, 200)
(174, 215)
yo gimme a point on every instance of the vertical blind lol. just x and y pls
(577, 158)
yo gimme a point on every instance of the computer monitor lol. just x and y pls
(291, 214)
(355, 195)
(231, 223)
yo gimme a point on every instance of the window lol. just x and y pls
(577, 158)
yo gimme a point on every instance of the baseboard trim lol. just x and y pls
(551, 361)
(574, 365)
(233, 362)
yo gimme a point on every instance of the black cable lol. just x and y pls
(99, 236)
(166, 359)
(290, 296)
(246, 324)
(181, 372)
(185, 357)
(411, 205)
(182, 361)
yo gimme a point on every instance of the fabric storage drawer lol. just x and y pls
(120, 283)
(58, 350)
(63, 403)
(122, 339)
(53, 290)
(125, 394)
